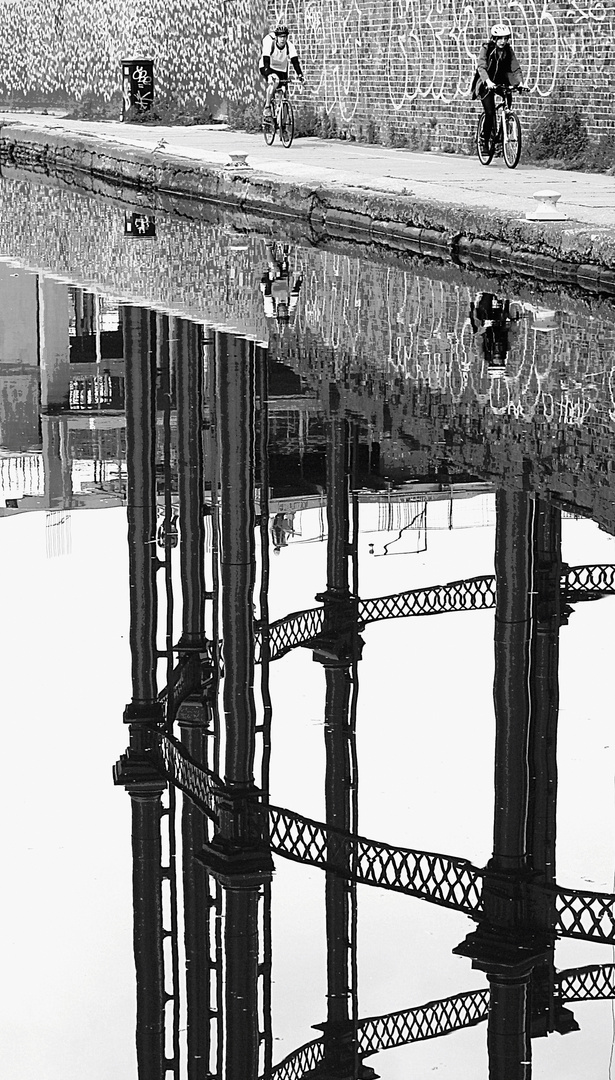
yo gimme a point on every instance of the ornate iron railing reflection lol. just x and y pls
(595, 982)
(450, 882)
(300, 1062)
(289, 632)
(176, 764)
(585, 915)
(472, 594)
(423, 1021)
(441, 1017)
(439, 879)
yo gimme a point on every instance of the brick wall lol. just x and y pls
(399, 71)
(392, 71)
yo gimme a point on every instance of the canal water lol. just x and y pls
(309, 580)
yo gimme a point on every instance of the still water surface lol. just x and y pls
(205, 431)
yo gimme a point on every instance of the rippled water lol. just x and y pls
(371, 550)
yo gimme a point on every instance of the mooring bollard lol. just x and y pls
(546, 208)
(137, 85)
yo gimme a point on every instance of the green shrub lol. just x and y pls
(558, 135)
(168, 113)
(245, 115)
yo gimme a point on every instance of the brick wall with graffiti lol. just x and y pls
(203, 53)
(399, 71)
(392, 71)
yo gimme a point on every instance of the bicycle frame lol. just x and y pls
(506, 133)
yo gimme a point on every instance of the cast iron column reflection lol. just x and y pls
(237, 855)
(133, 770)
(338, 648)
(504, 945)
(194, 714)
(547, 1011)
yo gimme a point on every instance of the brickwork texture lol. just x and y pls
(391, 71)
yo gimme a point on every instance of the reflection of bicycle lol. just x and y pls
(507, 132)
(282, 117)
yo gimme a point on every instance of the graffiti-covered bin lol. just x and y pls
(137, 85)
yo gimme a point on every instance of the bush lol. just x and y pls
(558, 135)
(245, 115)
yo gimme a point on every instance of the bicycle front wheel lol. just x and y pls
(512, 140)
(484, 151)
(287, 123)
(269, 127)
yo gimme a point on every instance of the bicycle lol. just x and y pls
(507, 133)
(282, 117)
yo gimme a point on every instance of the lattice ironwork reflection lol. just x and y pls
(591, 983)
(287, 633)
(585, 915)
(471, 594)
(423, 1022)
(188, 775)
(440, 879)
(302, 1061)
(450, 882)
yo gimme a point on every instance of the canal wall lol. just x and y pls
(391, 71)
(574, 252)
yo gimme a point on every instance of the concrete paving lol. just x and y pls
(454, 193)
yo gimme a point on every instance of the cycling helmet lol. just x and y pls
(501, 30)
(281, 29)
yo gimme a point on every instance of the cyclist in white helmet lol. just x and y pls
(277, 54)
(497, 66)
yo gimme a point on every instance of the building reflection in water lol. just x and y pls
(198, 429)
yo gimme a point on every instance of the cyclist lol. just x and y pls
(493, 320)
(497, 66)
(280, 297)
(277, 53)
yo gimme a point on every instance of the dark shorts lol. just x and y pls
(282, 75)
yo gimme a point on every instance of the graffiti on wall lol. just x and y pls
(385, 330)
(431, 47)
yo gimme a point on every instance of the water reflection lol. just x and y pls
(376, 411)
(220, 755)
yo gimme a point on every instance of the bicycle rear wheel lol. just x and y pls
(485, 153)
(512, 141)
(287, 123)
(269, 126)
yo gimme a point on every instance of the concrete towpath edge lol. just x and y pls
(552, 251)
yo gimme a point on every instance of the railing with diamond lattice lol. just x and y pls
(300, 1062)
(440, 879)
(585, 915)
(595, 982)
(450, 882)
(289, 632)
(423, 1022)
(437, 1018)
(471, 594)
(173, 760)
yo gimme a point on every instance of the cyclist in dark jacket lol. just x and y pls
(497, 66)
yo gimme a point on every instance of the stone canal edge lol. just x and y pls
(562, 252)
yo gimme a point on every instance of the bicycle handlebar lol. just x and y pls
(502, 90)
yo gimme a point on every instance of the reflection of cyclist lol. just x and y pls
(497, 66)
(276, 55)
(282, 527)
(279, 297)
(491, 318)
